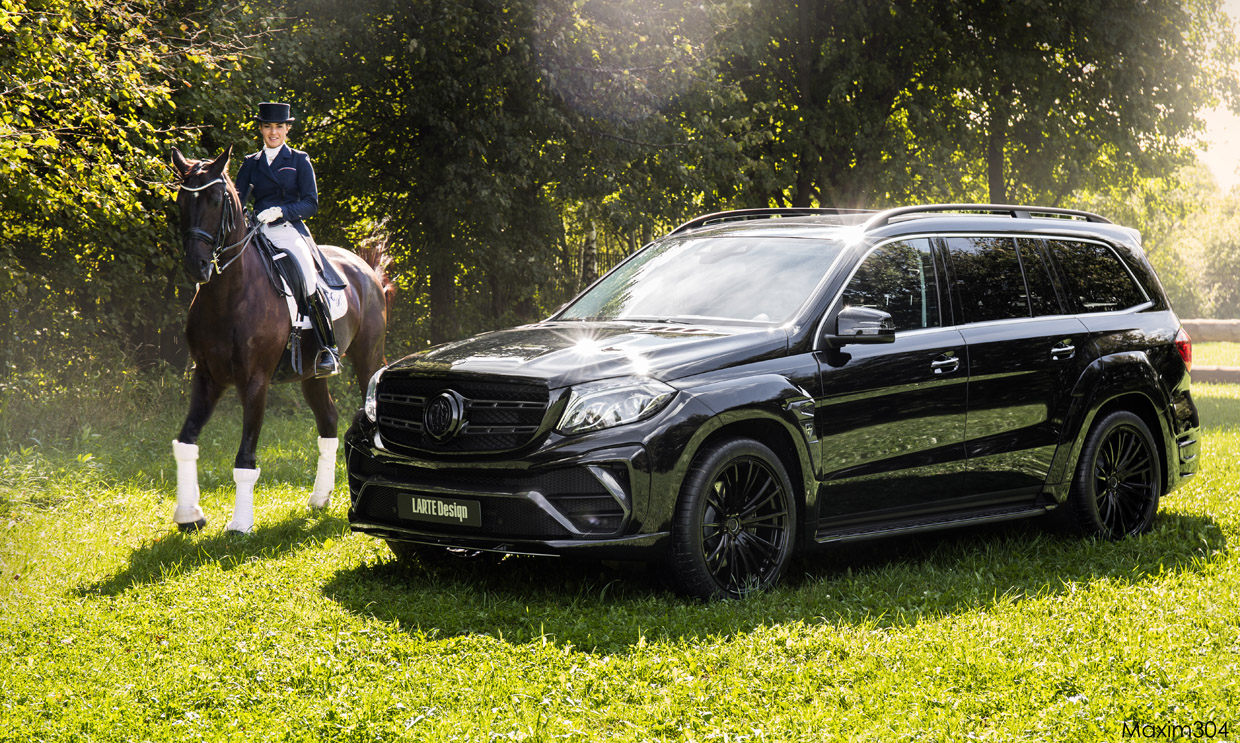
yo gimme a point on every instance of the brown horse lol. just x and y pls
(238, 328)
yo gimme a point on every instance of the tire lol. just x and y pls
(1118, 479)
(735, 523)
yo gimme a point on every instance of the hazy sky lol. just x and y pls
(1223, 130)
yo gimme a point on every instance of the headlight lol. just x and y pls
(372, 402)
(615, 402)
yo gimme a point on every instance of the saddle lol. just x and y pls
(281, 270)
(278, 264)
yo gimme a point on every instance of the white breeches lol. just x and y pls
(287, 237)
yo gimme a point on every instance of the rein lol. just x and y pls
(228, 219)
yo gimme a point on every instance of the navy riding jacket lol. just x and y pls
(287, 182)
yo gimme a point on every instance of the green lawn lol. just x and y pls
(1216, 354)
(115, 627)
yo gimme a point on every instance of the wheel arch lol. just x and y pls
(1126, 381)
(779, 420)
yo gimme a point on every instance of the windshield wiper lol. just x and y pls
(664, 320)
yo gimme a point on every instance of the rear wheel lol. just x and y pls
(1118, 479)
(735, 524)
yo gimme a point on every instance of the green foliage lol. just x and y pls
(1190, 231)
(876, 102)
(90, 100)
(515, 149)
(113, 626)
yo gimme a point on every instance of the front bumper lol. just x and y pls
(566, 500)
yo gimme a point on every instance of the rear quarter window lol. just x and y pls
(1095, 278)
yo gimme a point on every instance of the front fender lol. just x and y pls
(769, 408)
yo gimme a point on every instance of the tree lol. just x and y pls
(473, 127)
(824, 85)
(873, 101)
(1058, 95)
(89, 90)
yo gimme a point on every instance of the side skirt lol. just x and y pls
(831, 534)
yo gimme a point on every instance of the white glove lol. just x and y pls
(270, 214)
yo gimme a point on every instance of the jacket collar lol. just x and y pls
(282, 157)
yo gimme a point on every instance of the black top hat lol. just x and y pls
(273, 113)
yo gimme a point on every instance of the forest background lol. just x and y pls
(508, 151)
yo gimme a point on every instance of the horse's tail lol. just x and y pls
(374, 251)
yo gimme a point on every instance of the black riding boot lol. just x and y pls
(327, 362)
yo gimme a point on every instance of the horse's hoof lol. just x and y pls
(319, 507)
(233, 530)
(198, 525)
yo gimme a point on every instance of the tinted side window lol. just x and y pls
(988, 278)
(1042, 297)
(1094, 277)
(898, 278)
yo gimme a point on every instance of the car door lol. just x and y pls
(891, 416)
(1024, 355)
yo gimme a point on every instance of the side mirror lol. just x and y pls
(863, 325)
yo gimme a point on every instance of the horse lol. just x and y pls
(238, 327)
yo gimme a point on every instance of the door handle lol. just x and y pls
(1063, 350)
(945, 364)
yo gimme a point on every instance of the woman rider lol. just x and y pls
(281, 180)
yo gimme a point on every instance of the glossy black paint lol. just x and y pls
(963, 423)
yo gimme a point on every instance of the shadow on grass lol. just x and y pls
(901, 582)
(1216, 411)
(178, 553)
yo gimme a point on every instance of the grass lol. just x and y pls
(1216, 354)
(114, 627)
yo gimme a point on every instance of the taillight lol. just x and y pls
(1184, 345)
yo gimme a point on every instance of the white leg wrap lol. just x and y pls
(243, 505)
(325, 477)
(187, 511)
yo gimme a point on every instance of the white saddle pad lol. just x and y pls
(337, 305)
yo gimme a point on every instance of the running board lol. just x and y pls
(830, 535)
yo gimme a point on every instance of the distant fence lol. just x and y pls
(1206, 331)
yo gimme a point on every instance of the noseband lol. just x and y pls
(228, 220)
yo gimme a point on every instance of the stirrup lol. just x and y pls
(327, 364)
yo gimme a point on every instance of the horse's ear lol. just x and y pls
(219, 165)
(179, 162)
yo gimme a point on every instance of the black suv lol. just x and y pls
(762, 381)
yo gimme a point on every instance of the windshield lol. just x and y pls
(750, 279)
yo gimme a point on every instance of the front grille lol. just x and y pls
(508, 497)
(498, 416)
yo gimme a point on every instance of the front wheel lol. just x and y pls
(1118, 479)
(735, 523)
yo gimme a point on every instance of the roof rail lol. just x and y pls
(743, 214)
(1016, 212)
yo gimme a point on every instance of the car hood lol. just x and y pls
(566, 353)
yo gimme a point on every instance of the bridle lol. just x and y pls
(228, 220)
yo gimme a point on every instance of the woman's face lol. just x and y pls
(273, 134)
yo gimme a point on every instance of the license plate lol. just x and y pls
(441, 510)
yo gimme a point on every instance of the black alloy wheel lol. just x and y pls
(1119, 479)
(735, 522)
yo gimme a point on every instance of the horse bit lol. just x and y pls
(227, 222)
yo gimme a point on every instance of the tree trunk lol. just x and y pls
(996, 139)
(807, 166)
(443, 303)
(589, 255)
